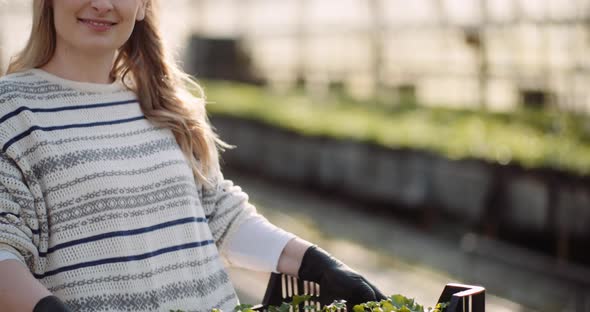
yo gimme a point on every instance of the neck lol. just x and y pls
(93, 68)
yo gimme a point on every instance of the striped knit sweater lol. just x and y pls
(101, 205)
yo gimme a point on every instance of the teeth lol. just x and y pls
(97, 23)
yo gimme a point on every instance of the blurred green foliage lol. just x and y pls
(533, 139)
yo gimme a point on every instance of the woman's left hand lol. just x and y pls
(337, 280)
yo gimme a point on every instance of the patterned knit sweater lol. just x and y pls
(101, 205)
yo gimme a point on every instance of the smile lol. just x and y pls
(97, 25)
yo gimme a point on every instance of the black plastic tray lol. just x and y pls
(281, 288)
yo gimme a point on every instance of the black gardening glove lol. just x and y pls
(51, 304)
(337, 281)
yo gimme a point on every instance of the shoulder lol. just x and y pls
(19, 91)
(20, 86)
(26, 77)
(32, 88)
(21, 76)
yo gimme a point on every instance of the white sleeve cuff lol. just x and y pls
(6, 255)
(257, 245)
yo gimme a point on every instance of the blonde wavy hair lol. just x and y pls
(165, 92)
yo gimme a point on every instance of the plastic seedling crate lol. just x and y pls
(281, 288)
(464, 298)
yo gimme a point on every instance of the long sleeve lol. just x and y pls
(257, 245)
(5, 255)
(18, 221)
(226, 207)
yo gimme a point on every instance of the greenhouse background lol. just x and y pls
(493, 53)
(465, 155)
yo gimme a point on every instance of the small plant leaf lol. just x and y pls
(297, 300)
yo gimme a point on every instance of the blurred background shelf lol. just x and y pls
(401, 258)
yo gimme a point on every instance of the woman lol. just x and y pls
(111, 197)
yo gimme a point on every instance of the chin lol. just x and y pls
(100, 47)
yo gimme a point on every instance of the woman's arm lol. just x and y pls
(256, 245)
(337, 281)
(226, 206)
(19, 290)
(291, 257)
